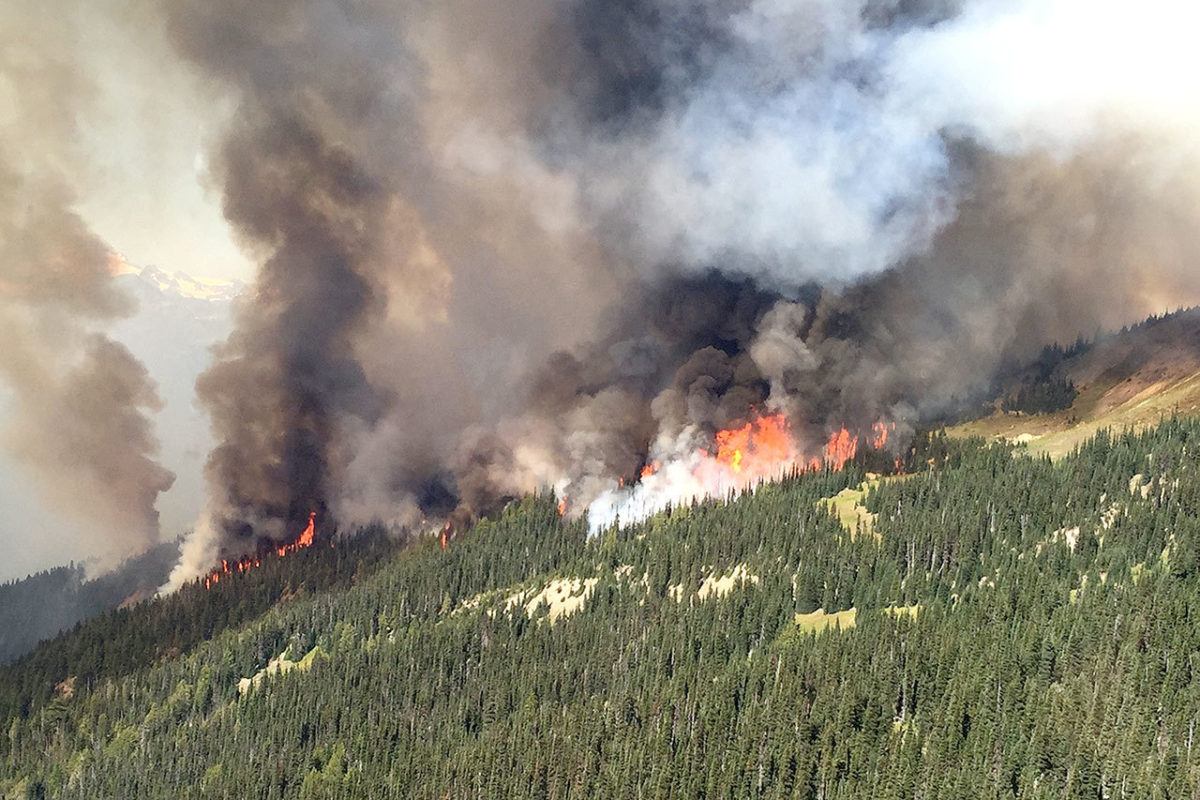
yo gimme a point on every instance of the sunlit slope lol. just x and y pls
(1131, 379)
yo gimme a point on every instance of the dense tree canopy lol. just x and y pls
(1013, 628)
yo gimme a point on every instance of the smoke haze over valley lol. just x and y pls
(171, 333)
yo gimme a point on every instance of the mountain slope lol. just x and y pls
(134, 636)
(1015, 627)
(1132, 379)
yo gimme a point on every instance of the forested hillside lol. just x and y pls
(126, 639)
(988, 625)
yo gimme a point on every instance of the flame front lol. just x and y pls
(305, 539)
(881, 434)
(247, 563)
(764, 448)
(739, 458)
(841, 447)
(763, 443)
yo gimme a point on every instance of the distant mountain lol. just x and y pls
(184, 286)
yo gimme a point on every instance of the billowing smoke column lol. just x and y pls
(569, 243)
(80, 402)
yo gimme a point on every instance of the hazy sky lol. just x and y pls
(141, 137)
(93, 91)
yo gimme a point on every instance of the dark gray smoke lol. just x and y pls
(509, 247)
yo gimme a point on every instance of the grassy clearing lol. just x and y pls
(562, 597)
(279, 665)
(910, 612)
(819, 621)
(847, 506)
(721, 585)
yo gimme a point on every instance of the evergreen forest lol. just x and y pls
(982, 624)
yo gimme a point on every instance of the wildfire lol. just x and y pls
(562, 506)
(247, 563)
(764, 448)
(881, 434)
(738, 459)
(761, 442)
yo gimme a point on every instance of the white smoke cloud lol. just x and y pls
(816, 144)
(1057, 75)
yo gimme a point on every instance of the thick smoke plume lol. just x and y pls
(80, 402)
(556, 243)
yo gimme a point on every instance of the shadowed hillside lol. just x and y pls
(38, 607)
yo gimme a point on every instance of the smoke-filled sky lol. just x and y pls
(502, 246)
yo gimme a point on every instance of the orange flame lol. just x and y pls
(562, 506)
(763, 448)
(841, 447)
(305, 539)
(247, 563)
(882, 432)
(763, 443)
